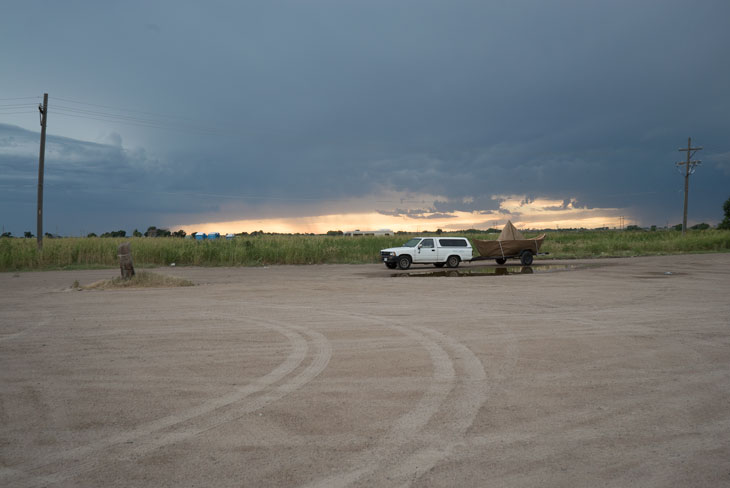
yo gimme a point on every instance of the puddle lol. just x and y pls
(660, 275)
(490, 271)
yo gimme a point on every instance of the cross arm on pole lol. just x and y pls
(690, 151)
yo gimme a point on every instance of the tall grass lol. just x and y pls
(596, 244)
(21, 254)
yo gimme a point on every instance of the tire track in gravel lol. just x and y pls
(322, 355)
(150, 435)
(463, 409)
(405, 453)
(407, 426)
(43, 321)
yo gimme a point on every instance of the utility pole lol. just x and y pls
(688, 170)
(41, 159)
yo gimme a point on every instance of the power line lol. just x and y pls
(107, 119)
(121, 108)
(126, 117)
(21, 98)
(122, 117)
(147, 125)
(111, 117)
(132, 122)
(162, 122)
(16, 186)
(96, 112)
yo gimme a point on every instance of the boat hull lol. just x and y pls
(508, 248)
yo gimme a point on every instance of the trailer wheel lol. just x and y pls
(452, 262)
(439, 265)
(391, 265)
(501, 261)
(404, 262)
(526, 258)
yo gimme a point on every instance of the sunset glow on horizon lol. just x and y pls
(539, 213)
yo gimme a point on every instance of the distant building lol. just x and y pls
(358, 232)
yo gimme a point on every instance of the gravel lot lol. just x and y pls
(616, 374)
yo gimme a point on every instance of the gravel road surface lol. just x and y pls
(615, 373)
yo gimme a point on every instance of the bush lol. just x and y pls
(725, 224)
(153, 231)
(115, 233)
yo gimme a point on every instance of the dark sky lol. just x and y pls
(168, 114)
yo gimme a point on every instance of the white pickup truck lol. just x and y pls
(439, 251)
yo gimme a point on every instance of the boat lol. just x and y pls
(510, 244)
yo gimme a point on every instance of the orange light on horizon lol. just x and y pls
(538, 213)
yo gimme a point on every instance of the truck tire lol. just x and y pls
(404, 262)
(452, 262)
(526, 258)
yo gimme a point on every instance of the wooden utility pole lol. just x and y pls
(688, 170)
(44, 115)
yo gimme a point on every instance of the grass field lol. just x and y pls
(72, 252)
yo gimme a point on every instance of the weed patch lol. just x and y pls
(143, 279)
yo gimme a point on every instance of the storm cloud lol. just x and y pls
(288, 109)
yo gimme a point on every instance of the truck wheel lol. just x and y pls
(391, 265)
(501, 260)
(404, 262)
(439, 265)
(526, 258)
(452, 262)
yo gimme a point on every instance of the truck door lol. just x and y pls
(425, 252)
(443, 252)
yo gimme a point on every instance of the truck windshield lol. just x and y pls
(412, 242)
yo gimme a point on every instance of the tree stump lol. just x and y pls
(124, 251)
